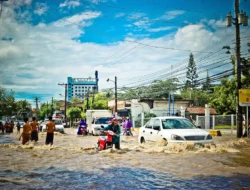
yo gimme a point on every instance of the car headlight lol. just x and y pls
(176, 137)
(209, 137)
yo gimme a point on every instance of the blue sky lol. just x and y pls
(44, 42)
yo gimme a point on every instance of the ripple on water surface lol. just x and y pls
(115, 178)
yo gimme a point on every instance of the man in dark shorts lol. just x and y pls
(50, 127)
(34, 130)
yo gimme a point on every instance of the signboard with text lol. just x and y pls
(244, 97)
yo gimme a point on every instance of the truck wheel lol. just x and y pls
(92, 133)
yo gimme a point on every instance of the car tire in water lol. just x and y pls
(142, 140)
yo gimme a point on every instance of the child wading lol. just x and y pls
(50, 127)
(26, 131)
(34, 132)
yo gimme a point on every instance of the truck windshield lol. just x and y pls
(103, 120)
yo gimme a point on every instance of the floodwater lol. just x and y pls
(72, 163)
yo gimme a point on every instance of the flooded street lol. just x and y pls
(72, 163)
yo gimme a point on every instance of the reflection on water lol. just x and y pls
(72, 163)
(114, 178)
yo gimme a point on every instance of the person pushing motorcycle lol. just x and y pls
(116, 129)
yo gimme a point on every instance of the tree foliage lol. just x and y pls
(191, 75)
(74, 112)
(224, 100)
(7, 102)
(199, 97)
(206, 86)
(23, 108)
(158, 89)
(100, 101)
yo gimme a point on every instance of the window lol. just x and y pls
(177, 124)
(103, 120)
(149, 124)
(157, 125)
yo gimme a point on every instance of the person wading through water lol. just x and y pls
(50, 127)
(34, 132)
(26, 131)
(116, 129)
(18, 126)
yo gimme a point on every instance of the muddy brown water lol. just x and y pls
(72, 163)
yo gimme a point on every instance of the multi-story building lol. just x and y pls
(81, 87)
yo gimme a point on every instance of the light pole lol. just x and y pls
(240, 19)
(115, 92)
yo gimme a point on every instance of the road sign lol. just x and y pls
(244, 97)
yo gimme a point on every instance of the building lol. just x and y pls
(158, 107)
(81, 87)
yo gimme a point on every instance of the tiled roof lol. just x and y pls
(200, 110)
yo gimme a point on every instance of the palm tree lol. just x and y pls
(23, 108)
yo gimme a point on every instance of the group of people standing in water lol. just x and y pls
(30, 131)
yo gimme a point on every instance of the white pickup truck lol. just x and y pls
(97, 118)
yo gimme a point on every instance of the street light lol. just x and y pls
(115, 92)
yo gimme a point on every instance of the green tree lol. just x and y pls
(7, 102)
(74, 112)
(100, 101)
(207, 85)
(24, 108)
(75, 101)
(191, 75)
(224, 99)
(45, 110)
(199, 97)
(158, 89)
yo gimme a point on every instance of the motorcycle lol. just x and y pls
(105, 140)
(127, 132)
(82, 130)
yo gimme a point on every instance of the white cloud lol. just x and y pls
(47, 53)
(70, 3)
(98, 1)
(160, 29)
(169, 15)
(78, 19)
(18, 3)
(41, 8)
(118, 15)
(136, 16)
(142, 24)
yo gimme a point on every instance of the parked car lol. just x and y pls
(173, 130)
(58, 122)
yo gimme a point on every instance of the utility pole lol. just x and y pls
(65, 100)
(52, 107)
(47, 108)
(240, 18)
(238, 70)
(36, 99)
(1, 6)
(115, 95)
